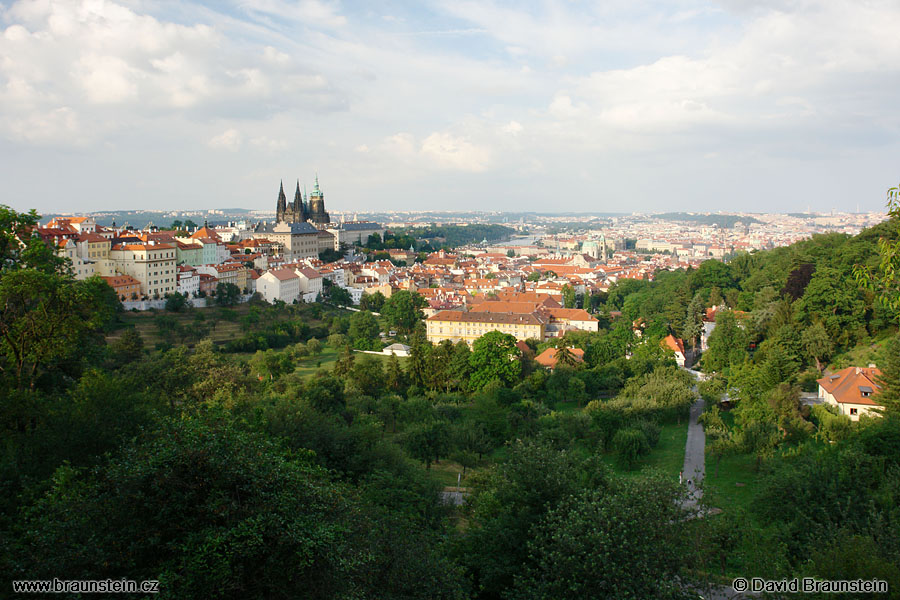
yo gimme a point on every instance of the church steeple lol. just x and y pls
(299, 210)
(281, 207)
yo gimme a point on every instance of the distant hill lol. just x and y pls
(725, 221)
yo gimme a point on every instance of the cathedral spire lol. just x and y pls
(281, 206)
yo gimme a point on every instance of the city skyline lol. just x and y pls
(649, 107)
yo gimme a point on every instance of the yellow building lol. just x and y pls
(94, 248)
(151, 264)
(456, 325)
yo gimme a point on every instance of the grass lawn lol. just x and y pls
(723, 491)
(567, 407)
(309, 365)
(446, 471)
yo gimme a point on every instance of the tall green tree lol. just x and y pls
(884, 279)
(47, 321)
(693, 320)
(494, 358)
(20, 246)
(818, 344)
(403, 310)
(364, 330)
(568, 294)
(727, 343)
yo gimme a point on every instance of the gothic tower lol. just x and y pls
(281, 206)
(300, 212)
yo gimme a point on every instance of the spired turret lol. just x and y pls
(317, 212)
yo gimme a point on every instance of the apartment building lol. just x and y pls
(280, 284)
(153, 265)
(456, 325)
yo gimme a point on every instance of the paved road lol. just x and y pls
(694, 454)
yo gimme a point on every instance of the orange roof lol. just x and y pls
(570, 314)
(497, 306)
(848, 385)
(205, 232)
(548, 358)
(284, 274)
(117, 281)
(672, 343)
(457, 316)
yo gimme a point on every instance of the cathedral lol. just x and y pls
(299, 211)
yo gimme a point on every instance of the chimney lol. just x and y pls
(858, 370)
(872, 366)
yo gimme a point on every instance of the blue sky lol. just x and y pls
(466, 105)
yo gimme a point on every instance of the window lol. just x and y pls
(853, 411)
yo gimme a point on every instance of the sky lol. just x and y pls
(609, 106)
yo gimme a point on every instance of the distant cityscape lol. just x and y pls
(145, 258)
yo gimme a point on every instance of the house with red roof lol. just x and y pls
(676, 345)
(852, 391)
(549, 358)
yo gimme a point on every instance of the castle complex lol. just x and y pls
(300, 211)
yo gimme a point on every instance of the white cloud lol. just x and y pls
(448, 151)
(228, 140)
(106, 79)
(513, 128)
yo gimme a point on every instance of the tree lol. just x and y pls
(568, 294)
(248, 521)
(693, 320)
(528, 482)
(511, 253)
(47, 321)
(402, 310)
(884, 279)
(619, 542)
(759, 438)
(727, 343)
(534, 276)
(818, 344)
(372, 302)
(564, 355)
(344, 363)
(839, 307)
(630, 445)
(227, 294)
(364, 331)
(177, 224)
(189, 225)
(889, 395)
(394, 377)
(176, 303)
(338, 295)
(129, 346)
(460, 368)
(22, 248)
(271, 364)
(313, 346)
(419, 357)
(494, 358)
(428, 442)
